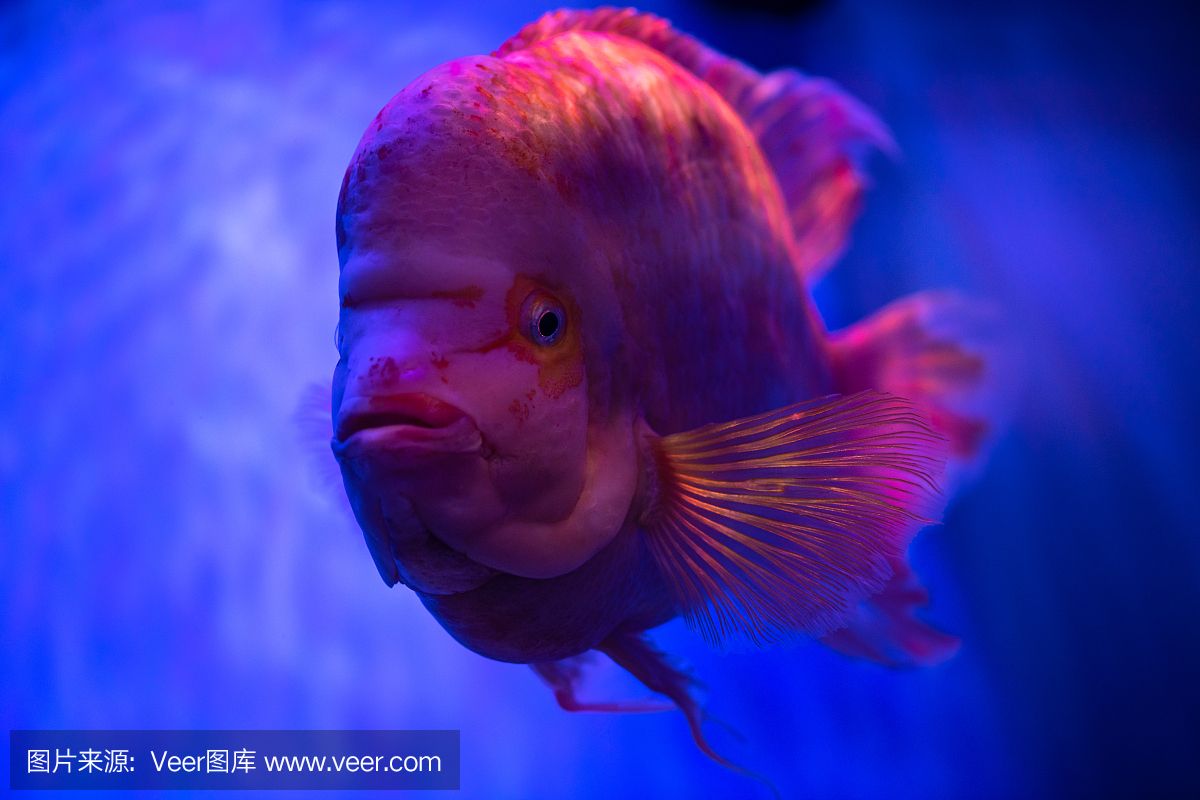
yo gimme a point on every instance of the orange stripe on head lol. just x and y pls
(560, 365)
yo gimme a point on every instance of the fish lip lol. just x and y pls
(412, 423)
(416, 409)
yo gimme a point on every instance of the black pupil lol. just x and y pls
(548, 324)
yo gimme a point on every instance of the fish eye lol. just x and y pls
(545, 319)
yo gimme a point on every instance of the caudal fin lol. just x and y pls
(885, 628)
(943, 352)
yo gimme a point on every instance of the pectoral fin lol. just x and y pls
(314, 428)
(782, 523)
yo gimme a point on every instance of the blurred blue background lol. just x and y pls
(168, 287)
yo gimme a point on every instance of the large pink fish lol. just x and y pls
(583, 386)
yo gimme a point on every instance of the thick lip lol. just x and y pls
(408, 421)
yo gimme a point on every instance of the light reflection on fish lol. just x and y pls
(583, 387)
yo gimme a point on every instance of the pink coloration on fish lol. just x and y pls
(583, 386)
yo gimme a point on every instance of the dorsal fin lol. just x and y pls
(814, 136)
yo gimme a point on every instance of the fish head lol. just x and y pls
(478, 425)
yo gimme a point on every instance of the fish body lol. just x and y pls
(583, 385)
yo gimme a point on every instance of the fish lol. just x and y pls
(583, 385)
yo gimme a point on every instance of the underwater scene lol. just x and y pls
(645, 361)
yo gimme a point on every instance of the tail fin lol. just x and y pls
(884, 628)
(815, 137)
(941, 351)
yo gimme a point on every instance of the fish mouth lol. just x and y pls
(411, 422)
(392, 446)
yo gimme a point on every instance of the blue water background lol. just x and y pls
(168, 287)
